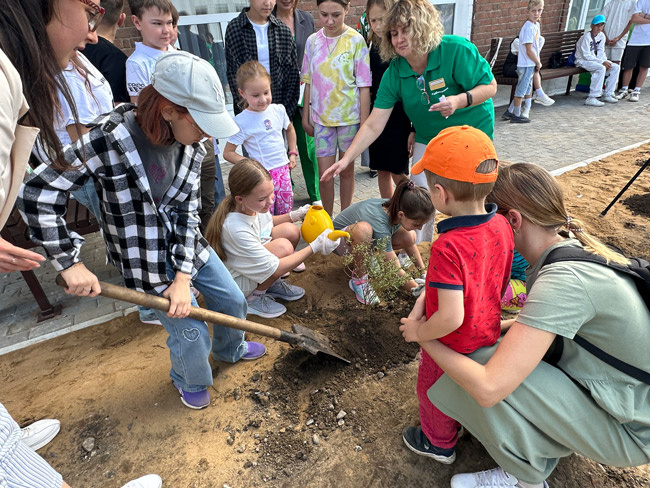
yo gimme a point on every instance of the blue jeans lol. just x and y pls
(87, 196)
(525, 82)
(219, 189)
(189, 339)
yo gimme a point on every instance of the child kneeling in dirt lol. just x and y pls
(259, 248)
(391, 222)
(468, 272)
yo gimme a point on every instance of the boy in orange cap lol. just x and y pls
(468, 272)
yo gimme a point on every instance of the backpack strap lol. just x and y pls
(567, 253)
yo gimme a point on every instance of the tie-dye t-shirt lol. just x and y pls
(336, 67)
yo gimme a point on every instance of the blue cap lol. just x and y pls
(598, 19)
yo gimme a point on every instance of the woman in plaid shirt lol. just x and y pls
(146, 167)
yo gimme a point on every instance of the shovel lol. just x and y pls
(301, 336)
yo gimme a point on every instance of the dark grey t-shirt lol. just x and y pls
(160, 162)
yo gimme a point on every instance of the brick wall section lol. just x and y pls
(127, 35)
(491, 18)
(503, 18)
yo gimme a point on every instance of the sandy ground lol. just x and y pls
(274, 422)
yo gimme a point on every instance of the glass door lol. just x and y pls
(582, 12)
(456, 16)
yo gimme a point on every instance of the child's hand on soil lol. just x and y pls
(409, 329)
(180, 296)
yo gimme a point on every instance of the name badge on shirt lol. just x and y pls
(437, 84)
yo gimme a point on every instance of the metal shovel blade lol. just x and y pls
(314, 342)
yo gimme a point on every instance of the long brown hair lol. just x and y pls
(411, 199)
(533, 192)
(150, 119)
(24, 39)
(244, 177)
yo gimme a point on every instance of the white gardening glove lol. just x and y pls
(323, 244)
(299, 213)
(417, 290)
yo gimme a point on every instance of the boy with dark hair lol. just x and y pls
(468, 272)
(105, 56)
(154, 20)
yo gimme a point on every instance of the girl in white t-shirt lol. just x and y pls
(257, 247)
(261, 127)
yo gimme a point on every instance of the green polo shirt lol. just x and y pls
(463, 69)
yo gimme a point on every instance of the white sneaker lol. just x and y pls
(545, 100)
(492, 478)
(593, 102)
(609, 99)
(148, 481)
(266, 307)
(621, 94)
(634, 96)
(40, 433)
(525, 111)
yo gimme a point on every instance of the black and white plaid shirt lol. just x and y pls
(138, 234)
(241, 46)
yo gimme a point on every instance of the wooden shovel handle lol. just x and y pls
(159, 303)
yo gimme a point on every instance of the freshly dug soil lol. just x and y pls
(290, 419)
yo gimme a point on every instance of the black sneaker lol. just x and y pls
(507, 115)
(519, 119)
(417, 442)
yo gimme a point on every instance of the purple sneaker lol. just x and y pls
(255, 351)
(194, 399)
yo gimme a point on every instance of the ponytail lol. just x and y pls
(411, 199)
(215, 224)
(244, 177)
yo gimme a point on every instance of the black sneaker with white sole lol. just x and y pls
(417, 442)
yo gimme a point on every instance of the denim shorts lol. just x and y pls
(525, 83)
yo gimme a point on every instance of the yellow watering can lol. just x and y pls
(315, 222)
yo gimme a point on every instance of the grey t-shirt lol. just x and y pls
(606, 309)
(373, 212)
(160, 162)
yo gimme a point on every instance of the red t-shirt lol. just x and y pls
(473, 253)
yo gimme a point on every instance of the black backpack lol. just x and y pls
(510, 64)
(638, 269)
(556, 60)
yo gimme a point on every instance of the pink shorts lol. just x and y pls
(328, 139)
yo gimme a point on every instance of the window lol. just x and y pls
(582, 12)
(456, 16)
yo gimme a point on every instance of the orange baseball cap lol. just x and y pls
(456, 152)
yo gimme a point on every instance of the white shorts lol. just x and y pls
(614, 53)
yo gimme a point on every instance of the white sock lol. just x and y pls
(521, 484)
(540, 93)
(255, 294)
(624, 88)
(511, 107)
(517, 110)
(528, 101)
(637, 89)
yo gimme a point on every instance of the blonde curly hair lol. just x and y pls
(422, 21)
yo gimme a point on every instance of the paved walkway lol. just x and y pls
(564, 135)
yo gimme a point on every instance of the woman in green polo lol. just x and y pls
(442, 81)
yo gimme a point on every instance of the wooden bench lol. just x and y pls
(15, 231)
(565, 42)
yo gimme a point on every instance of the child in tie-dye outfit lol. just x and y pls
(336, 73)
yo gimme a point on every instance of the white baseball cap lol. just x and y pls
(192, 82)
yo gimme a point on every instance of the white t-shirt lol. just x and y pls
(262, 36)
(618, 13)
(261, 134)
(641, 33)
(247, 260)
(90, 105)
(529, 34)
(139, 68)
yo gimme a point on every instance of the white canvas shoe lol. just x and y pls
(148, 481)
(40, 433)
